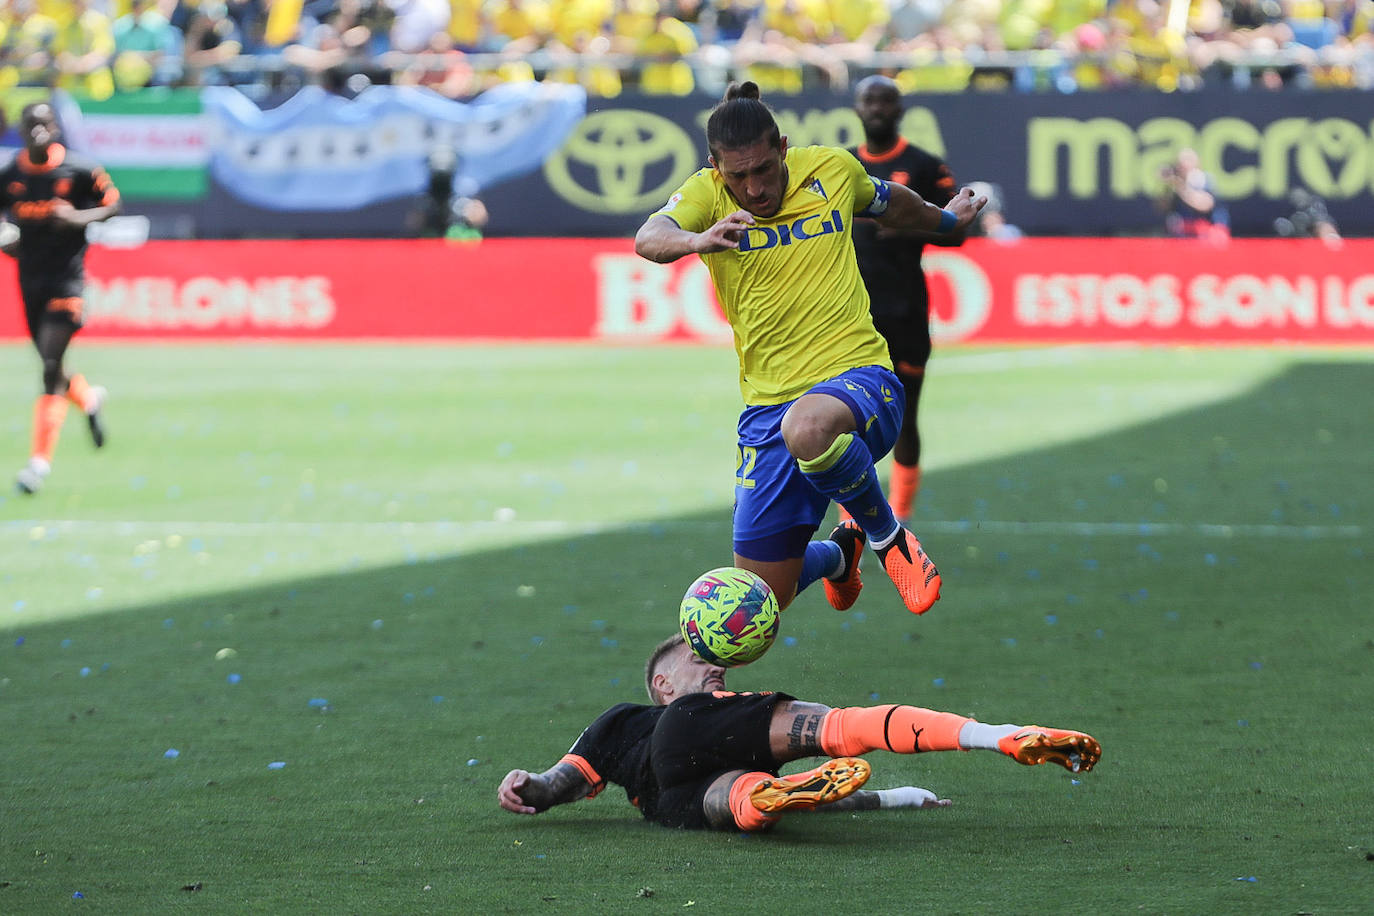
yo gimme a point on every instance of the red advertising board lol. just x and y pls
(1038, 290)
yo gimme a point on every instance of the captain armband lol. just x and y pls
(882, 196)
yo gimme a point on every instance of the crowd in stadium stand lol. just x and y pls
(459, 47)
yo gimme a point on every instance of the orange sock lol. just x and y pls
(48, 413)
(747, 817)
(79, 391)
(901, 493)
(855, 730)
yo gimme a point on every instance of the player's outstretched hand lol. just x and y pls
(965, 207)
(726, 233)
(508, 795)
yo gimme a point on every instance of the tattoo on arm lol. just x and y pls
(558, 785)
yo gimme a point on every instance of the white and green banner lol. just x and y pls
(154, 143)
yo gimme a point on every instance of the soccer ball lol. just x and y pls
(729, 617)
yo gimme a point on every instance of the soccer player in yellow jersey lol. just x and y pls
(821, 401)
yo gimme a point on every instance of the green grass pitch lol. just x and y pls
(397, 572)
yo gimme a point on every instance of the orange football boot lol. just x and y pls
(1033, 745)
(831, 781)
(916, 578)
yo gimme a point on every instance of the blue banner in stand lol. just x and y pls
(319, 151)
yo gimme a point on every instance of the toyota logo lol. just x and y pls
(622, 161)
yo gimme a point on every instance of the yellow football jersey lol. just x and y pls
(792, 291)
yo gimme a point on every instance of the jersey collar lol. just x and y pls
(56, 154)
(888, 156)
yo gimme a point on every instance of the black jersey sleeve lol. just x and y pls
(615, 747)
(92, 187)
(933, 179)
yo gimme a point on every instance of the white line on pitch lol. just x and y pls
(1146, 529)
(1068, 354)
(556, 528)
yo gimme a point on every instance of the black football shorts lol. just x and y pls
(699, 737)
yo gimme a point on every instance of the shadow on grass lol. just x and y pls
(138, 749)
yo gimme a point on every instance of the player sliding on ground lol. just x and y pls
(774, 226)
(703, 757)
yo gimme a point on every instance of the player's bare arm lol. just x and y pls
(524, 792)
(661, 240)
(64, 213)
(716, 801)
(907, 211)
(951, 239)
(900, 797)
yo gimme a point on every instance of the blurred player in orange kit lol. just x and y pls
(52, 194)
(890, 263)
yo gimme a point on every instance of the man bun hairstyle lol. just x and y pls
(741, 119)
(745, 90)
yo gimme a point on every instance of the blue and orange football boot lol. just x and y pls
(843, 592)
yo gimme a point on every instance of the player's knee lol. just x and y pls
(52, 375)
(809, 433)
(797, 432)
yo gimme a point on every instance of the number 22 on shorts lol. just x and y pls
(744, 466)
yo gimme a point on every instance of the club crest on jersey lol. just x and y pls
(758, 238)
(815, 187)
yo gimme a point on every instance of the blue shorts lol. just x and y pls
(776, 507)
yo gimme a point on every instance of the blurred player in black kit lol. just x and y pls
(52, 195)
(890, 263)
